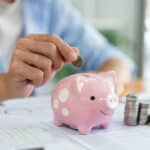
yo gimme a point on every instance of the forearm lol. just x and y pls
(122, 70)
(3, 87)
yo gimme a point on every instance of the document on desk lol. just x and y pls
(34, 136)
(28, 123)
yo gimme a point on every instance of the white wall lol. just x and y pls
(148, 9)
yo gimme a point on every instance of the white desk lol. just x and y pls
(26, 123)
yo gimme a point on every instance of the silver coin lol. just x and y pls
(131, 97)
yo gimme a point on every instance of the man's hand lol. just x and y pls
(123, 72)
(35, 61)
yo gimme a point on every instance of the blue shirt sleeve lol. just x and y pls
(94, 48)
(1, 66)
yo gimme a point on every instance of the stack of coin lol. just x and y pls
(148, 120)
(131, 110)
(144, 112)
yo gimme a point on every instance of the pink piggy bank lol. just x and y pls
(84, 101)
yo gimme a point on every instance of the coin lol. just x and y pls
(79, 62)
(131, 95)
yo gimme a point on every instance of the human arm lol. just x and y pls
(98, 54)
(34, 62)
(123, 72)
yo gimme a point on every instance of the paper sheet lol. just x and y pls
(22, 137)
(28, 123)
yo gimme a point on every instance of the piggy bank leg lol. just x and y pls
(84, 129)
(104, 125)
(57, 123)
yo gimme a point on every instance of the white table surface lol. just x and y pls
(26, 123)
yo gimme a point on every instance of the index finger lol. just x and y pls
(64, 49)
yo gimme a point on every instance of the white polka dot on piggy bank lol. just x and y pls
(65, 112)
(55, 104)
(87, 106)
(63, 95)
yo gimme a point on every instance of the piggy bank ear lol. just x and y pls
(80, 82)
(111, 75)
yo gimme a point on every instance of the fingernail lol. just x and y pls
(72, 56)
(76, 50)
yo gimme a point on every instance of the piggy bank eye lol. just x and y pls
(92, 98)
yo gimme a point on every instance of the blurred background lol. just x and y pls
(116, 19)
(126, 24)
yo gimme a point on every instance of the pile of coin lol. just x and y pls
(148, 120)
(131, 110)
(136, 111)
(144, 111)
